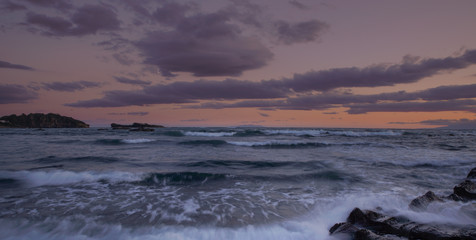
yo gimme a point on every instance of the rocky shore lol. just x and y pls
(40, 120)
(374, 225)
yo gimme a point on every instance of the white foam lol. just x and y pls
(365, 133)
(138, 140)
(209, 134)
(309, 132)
(60, 177)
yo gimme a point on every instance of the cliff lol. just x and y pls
(40, 120)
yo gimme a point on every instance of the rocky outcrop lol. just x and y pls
(144, 127)
(40, 120)
(372, 225)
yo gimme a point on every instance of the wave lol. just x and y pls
(179, 178)
(173, 133)
(94, 159)
(241, 164)
(307, 132)
(278, 144)
(204, 142)
(60, 177)
(114, 142)
(208, 134)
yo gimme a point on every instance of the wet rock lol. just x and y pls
(465, 191)
(370, 225)
(472, 174)
(422, 202)
(343, 228)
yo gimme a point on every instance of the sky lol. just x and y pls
(275, 63)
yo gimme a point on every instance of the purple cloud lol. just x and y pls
(11, 7)
(298, 5)
(59, 4)
(202, 44)
(307, 31)
(86, 20)
(432, 106)
(12, 93)
(184, 92)
(70, 86)
(409, 71)
(452, 123)
(131, 81)
(4, 64)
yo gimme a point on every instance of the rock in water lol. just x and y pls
(40, 120)
(422, 202)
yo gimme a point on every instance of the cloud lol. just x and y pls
(70, 86)
(4, 64)
(132, 81)
(307, 31)
(263, 114)
(204, 45)
(452, 123)
(12, 93)
(11, 7)
(311, 91)
(130, 114)
(298, 5)
(385, 102)
(86, 20)
(58, 4)
(433, 106)
(184, 92)
(409, 71)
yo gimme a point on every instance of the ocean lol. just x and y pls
(222, 183)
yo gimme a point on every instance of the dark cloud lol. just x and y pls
(130, 114)
(409, 71)
(12, 93)
(307, 31)
(4, 64)
(59, 4)
(185, 92)
(263, 114)
(70, 86)
(11, 7)
(298, 5)
(452, 123)
(358, 104)
(88, 19)
(312, 90)
(132, 81)
(171, 13)
(433, 106)
(204, 45)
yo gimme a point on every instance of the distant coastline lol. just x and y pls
(40, 120)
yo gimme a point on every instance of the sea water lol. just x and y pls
(222, 183)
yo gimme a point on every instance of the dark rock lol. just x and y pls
(344, 227)
(422, 202)
(472, 174)
(365, 234)
(40, 120)
(465, 190)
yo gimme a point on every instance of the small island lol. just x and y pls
(40, 120)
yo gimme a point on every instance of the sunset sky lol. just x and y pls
(277, 63)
